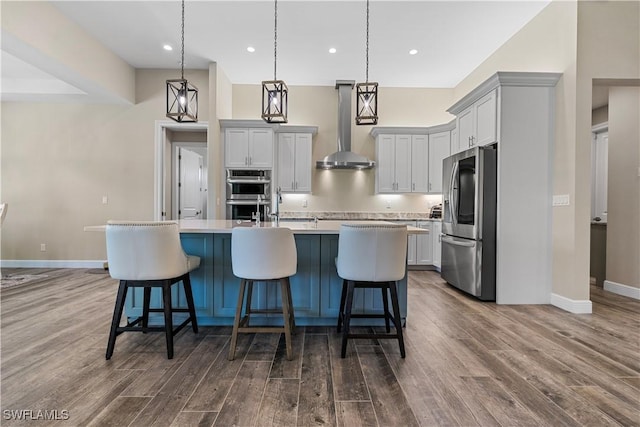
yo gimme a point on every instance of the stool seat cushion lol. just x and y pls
(372, 252)
(141, 250)
(263, 253)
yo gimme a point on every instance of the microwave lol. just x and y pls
(248, 184)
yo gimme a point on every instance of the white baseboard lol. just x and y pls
(620, 289)
(43, 263)
(571, 305)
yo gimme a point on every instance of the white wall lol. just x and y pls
(623, 192)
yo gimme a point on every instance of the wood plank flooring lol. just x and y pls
(468, 363)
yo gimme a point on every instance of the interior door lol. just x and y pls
(190, 184)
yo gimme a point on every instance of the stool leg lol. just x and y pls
(247, 310)
(146, 301)
(291, 313)
(117, 314)
(342, 300)
(286, 305)
(385, 302)
(347, 318)
(397, 320)
(236, 322)
(186, 283)
(168, 318)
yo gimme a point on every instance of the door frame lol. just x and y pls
(161, 155)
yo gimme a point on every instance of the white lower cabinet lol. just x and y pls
(420, 246)
(436, 238)
(424, 245)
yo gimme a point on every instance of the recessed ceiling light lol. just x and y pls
(332, 50)
(167, 47)
(251, 49)
(413, 51)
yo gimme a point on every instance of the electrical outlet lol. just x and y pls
(105, 200)
(43, 247)
(561, 200)
(304, 203)
(388, 204)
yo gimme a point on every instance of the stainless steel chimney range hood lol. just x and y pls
(344, 158)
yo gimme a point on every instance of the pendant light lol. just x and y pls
(275, 93)
(182, 96)
(367, 93)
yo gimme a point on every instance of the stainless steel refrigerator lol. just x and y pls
(469, 221)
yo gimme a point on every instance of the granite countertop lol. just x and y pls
(215, 226)
(358, 216)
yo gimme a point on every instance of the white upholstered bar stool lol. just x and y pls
(371, 256)
(263, 254)
(149, 255)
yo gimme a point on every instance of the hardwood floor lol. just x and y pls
(468, 363)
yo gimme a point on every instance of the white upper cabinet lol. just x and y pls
(420, 164)
(439, 149)
(411, 162)
(477, 124)
(393, 169)
(250, 148)
(294, 162)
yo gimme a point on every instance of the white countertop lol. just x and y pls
(217, 226)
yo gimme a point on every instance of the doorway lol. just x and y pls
(180, 184)
(189, 181)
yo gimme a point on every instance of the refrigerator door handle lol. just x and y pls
(453, 201)
(456, 242)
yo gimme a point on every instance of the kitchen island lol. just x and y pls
(315, 288)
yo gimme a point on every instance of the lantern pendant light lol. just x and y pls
(275, 93)
(367, 93)
(182, 96)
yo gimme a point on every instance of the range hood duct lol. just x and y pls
(344, 158)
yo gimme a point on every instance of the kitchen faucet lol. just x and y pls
(257, 213)
(276, 214)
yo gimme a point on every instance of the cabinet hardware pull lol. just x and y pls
(246, 161)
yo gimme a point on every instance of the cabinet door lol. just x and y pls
(302, 162)
(454, 141)
(466, 126)
(436, 230)
(260, 148)
(424, 245)
(286, 161)
(439, 144)
(420, 163)
(403, 163)
(385, 167)
(485, 112)
(236, 146)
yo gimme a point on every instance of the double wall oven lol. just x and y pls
(247, 192)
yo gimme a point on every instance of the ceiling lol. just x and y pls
(452, 38)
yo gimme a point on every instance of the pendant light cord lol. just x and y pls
(275, 39)
(182, 48)
(367, 55)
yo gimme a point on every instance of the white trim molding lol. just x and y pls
(571, 305)
(50, 263)
(620, 289)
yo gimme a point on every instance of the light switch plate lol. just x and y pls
(561, 200)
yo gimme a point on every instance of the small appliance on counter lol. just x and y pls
(436, 212)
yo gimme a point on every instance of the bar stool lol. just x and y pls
(263, 254)
(371, 256)
(149, 255)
